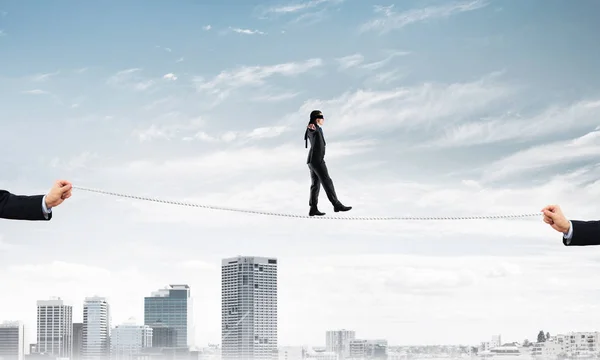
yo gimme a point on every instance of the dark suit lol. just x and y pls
(585, 233)
(19, 207)
(318, 169)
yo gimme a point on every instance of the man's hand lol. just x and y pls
(59, 193)
(554, 216)
(311, 126)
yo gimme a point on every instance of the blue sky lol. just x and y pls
(432, 107)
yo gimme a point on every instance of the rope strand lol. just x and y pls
(257, 212)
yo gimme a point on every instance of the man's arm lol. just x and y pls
(19, 207)
(582, 233)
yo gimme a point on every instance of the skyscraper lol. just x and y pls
(54, 328)
(128, 340)
(12, 340)
(249, 308)
(172, 307)
(77, 341)
(337, 341)
(96, 329)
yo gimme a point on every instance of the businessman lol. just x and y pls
(318, 169)
(36, 207)
(575, 232)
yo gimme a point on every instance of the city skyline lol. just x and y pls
(432, 108)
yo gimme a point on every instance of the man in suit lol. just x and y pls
(318, 169)
(575, 232)
(36, 207)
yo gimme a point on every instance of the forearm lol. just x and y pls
(19, 207)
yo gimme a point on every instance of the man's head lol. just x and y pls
(316, 117)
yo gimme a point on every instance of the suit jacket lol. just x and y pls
(585, 233)
(19, 207)
(316, 153)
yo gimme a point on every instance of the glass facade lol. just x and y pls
(170, 307)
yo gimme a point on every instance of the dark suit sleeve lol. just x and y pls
(318, 145)
(585, 233)
(19, 207)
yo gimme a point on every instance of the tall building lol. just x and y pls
(249, 308)
(163, 336)
(128, 340)
(96, 329)
(12, 341)
(54, 328)
(172, 307)
(77, 341)
(337, 341)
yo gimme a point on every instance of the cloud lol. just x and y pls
(3, 33)
(35, 92)
(131, 79)
(247, 31)
(230, 136)
(277, 97)
(228, 81)
(408, 107)
(301, 6)
(349, 61)
(80, 161)
(357, 61)
(390, 20)
(539, 157)
(207, 27)
(169, 126)
(170, 76)
(43, 77)
(515, 127)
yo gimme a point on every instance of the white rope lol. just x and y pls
(211, 207)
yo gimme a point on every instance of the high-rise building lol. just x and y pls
(77, 341)
(12, 340)
(337, 341)
(163, 336)
(128, 340)
(54, 328)
(249, 308)
(96, 329)
(172, 307)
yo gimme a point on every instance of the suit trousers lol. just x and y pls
(320, 176)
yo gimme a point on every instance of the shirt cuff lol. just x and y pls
(46, 210)
(569, 235)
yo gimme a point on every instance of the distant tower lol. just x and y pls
(12, 340)
(249, 308)
(96, 329)
(171, 307)
(54, 328)
(129, 339)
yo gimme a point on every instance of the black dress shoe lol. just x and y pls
(341, 207)
(314, 211)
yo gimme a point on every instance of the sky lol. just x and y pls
(433, 108)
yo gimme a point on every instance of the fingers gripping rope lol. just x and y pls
(211, 207)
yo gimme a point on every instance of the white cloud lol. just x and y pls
(349, 61)
(228, 81)
(170, 76)
(301, 6)
(247, 31)
(207, 27)
(538, 157)
(408, 107)
(36, 92)
(43, 77)
(170, 126)
(390, 20)
(130, 78)
(277, 97)
(514, 127)
(2, 33)
(80, 161)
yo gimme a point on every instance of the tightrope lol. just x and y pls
(258, 212)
